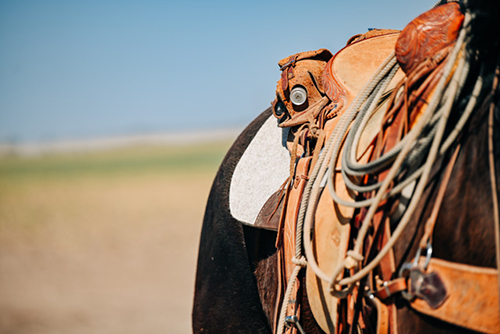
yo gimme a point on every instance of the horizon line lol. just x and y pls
(180, 138)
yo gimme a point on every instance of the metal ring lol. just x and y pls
(404, 268)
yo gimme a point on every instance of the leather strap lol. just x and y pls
(390, 288)
(431, 221)
(472, 296)
(292, 211)
(382, 317)
(286, 246)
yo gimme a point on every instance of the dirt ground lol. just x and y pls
(100, 255)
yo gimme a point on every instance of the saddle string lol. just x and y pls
(493, 180)
(295, 145)
(354, 256)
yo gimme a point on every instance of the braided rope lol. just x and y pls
(299, 264)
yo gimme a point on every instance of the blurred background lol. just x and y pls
(114, 117)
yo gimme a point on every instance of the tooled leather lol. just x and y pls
(428, 35)
(304, 69)
(287, 236)
(421, 51)
(291, 233)
(472, 300)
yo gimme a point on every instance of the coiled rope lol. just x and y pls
(433, 121)
(439, 108)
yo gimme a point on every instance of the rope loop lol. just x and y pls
(334, 287)
(355, 255)
(353, 258)
(300, 261)
(428, 138)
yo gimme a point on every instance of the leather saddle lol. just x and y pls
(325, 94)
(309, 109)
(330, 84)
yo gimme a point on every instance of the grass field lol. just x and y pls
(102, 242)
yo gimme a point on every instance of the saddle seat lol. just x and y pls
(349, 70)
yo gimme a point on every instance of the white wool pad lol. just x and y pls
(262, 169)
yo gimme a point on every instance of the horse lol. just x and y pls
(237, 285)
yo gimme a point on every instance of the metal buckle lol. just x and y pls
(428, 256)
(423, 285)
(413, 271)
(293, 320)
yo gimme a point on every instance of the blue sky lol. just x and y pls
(83, 69)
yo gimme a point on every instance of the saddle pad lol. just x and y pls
(262, 169)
